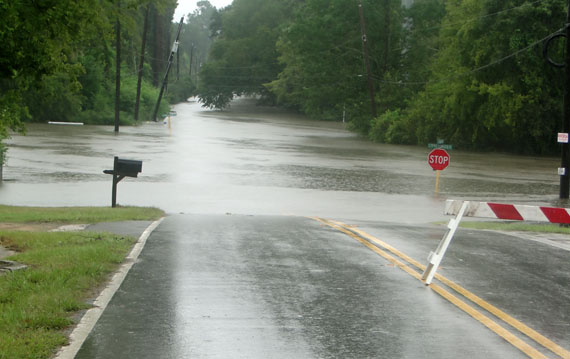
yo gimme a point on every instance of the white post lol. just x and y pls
(436, 257)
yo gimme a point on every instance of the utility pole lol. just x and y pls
(367, 59)
(118, 69)
(565, 177)
(177, 65)
(191, 59)
(141, 65)
(170, 60)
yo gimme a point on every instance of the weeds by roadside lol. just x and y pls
(517, 226)
(64, 270)
(13, 214)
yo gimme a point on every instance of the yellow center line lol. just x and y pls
(492, 325)
(531, 333)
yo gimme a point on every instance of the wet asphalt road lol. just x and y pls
(237, 270)
(209, 286)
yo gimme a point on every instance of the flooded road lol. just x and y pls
(255, 160)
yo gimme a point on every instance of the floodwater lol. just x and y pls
(257, 160)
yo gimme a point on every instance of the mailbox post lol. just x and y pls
(122, 168)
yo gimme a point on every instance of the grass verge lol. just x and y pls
(12, 214)
(37, 304)
(517, 226)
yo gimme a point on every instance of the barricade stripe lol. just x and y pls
(505, 211)
(556, 215)
(532, 213)
(477, 209)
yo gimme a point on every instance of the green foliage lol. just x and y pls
(513, 105)
(100, 109)
(57, 58)
(3, 151)
(517, 226)
(181, 90)
(37, 304)
(149, 96)
(16, 214)
(243, 57)
(11, 112)
(390, 127)
(56, 98)
(320, 75)
(469, 71)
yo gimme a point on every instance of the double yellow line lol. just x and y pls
(375, 245)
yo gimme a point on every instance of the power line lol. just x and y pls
(475, 69)
(476, 18)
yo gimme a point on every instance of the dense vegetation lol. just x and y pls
(467, 71)
(58, 59)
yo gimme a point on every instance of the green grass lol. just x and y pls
(64, 269)
(37, 304)
(517, 226)
(11, 214)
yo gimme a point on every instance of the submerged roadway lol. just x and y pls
(294, 239)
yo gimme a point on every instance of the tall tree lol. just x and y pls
(324, 71)
(490, 86)
(36, 40)
(244, 57)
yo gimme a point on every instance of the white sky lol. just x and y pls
(188, 6)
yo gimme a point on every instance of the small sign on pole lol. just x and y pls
(440, 145)
(562, 138)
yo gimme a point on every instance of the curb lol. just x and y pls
(88, 321)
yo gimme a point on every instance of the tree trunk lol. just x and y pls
(118, 70)
(141, 65)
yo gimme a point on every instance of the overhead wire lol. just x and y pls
(479, 17)
(477, 69)
(415, 83)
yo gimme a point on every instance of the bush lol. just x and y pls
(102, 104)
(391, 127)
(3, 150)
(181, 90)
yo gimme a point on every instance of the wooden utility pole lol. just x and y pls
(177, 65)
(118, 69)
(165, 80)
(565, 177)
(367, 59)
(191, 59)
(141, 64)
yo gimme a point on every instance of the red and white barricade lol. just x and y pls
(513, 212)
(489, 210)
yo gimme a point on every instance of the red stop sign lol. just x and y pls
(438, 159)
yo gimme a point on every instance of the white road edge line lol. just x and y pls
(88, 321)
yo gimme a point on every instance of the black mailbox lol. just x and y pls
(122, 168)
(129, 168)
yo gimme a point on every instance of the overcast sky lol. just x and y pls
(188, 6)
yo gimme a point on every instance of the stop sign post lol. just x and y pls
(438, 159)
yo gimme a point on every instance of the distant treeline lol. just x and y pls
(471, 72)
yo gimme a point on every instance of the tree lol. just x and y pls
(324, 74)
(482, 97)
(243, 57)
(36, 40)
